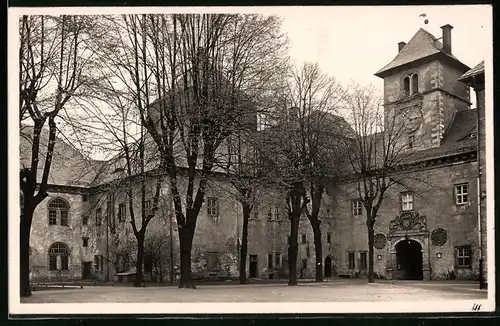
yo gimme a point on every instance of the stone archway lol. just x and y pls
(409, 260)
(328, 266)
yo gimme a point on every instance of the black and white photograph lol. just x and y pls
(257, 160)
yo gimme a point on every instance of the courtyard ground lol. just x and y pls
(329, 291)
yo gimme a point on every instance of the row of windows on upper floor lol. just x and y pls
(461, 194)
(58, 208)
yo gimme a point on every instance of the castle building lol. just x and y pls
(433, 228)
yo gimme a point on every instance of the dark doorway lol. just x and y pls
(253, 266)
(328, 266)
(409, 260)
(86, 270)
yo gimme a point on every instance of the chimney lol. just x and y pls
(447, 38)
(401, 45)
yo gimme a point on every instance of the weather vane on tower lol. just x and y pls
(426, 21)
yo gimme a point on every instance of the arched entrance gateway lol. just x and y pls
(409, 260)
(328, 266)
(408, 248)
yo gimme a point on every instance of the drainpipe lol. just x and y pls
(480, 235)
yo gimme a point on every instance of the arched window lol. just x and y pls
(406, 86)
(414, 84)
(58, 210)
(58, 257)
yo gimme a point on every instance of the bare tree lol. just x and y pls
(315, 97)
(55, 65)
(377, 152)
(302, 152)
(183, 69)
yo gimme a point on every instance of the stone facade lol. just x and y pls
(439, 232)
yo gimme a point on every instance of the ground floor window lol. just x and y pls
(363, 261)
(463, 255)
(58, 257)
(350, 260)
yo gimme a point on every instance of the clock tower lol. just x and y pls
(421, 86)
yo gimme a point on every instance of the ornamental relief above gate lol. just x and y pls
(408, 222)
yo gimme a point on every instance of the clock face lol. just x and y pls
(412, 119)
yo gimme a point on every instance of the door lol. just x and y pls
(328, 266)
(87, 267)
(253, 266)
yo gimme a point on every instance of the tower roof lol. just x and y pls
(422, 45)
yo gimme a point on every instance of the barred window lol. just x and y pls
(462, 194)
(58, 210)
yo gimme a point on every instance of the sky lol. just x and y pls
(352, 43)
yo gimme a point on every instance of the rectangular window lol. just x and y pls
(64, 218)
(122, 212)
(328, 238)
(462, 194)
(212, 207)
(52, 217)
(52, 262)
(148, 263)
(463, 256)
(350, 260)
(98, 216)
(270, 214)
(85, 220)
(64, 263)
(363, 262)
(304, 239)
(270, 261)
(304, 263)
(277, 259)
(84, 198)
(277, 213)
(357, 207)
(411, 141)
(85, 242)
(255, 211)
(96, 263)
(212, 261)
(407, 201)
(148, 209)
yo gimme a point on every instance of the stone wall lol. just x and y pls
(434, 202)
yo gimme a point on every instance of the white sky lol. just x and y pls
(352, 43)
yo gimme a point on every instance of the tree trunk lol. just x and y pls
(293, 250)
(138, 263)
(370, 252)
(244, 244)
(186, 234)
(24, 253)
(318, 251)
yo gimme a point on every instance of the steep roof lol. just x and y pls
(69, 166)
(477, 70)
(422, 45)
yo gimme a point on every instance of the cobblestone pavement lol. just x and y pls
(336, 291)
